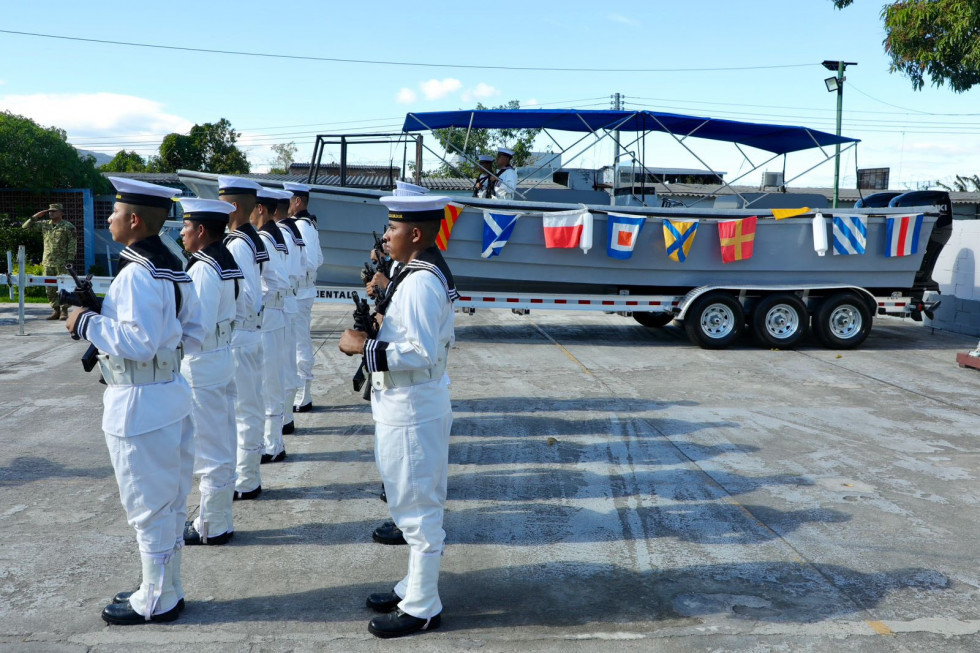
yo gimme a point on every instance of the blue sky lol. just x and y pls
(758, 61)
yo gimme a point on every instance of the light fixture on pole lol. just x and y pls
(837, 84)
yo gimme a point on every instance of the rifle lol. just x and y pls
(84, 296)
(382, 263)
(363, 321)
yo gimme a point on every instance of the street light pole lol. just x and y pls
(837, 84)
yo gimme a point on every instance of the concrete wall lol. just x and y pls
(957, 272)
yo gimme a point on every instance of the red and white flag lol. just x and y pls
(567, 229)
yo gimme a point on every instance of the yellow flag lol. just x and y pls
(678, 238)
(780, 214)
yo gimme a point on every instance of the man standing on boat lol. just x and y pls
(411, 408)
(482, 185)
(505, 182)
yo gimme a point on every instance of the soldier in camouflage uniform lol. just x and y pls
(60, 245)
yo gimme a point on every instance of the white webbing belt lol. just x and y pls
(406, 378)
(275, 300)
(124, 371)
(220, 338)
(251, 323)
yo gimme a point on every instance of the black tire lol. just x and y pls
(654, 320)
(843, 321)
(714, 320)
(780, 321)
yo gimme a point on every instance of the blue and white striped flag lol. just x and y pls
(850, 234)
(497, 228)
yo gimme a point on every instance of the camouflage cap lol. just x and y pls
(56, 207)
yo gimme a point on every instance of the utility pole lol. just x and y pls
(837, 84)
(617, 105)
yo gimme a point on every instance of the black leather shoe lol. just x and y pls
(123, 597)
(269, 458)
(398, 624)
(122, 614)
(288, 428)
(383, 601)
(247, 496)
(192, 537)
(384, 495)
(305, 408)
(388, 533)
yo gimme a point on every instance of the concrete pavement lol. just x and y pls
(611, 487)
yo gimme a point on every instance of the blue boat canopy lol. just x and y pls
(778, 139)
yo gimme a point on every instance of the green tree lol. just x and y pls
(962, 184)
(39, 158)
(285, 153)
(125, 162)
(935, 38)
(483, 141)
(208, 148)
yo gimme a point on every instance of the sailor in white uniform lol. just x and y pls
(148, 314)
(216, 279)
(306, 222)
(296, 269)
(275, 285)
(248, 250)
(505, 183)
(411, 409)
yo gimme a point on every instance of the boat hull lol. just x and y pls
(783, 250)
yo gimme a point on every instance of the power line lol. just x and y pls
(927, 113)
(419, 64)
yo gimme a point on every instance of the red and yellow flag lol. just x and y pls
(737, 238)
(446, 226)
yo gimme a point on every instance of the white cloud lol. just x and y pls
(435, 89)
(406, 96)
(105, 122)
(623, 20)
(533, 102)
(482, 91)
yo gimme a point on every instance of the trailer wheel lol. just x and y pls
(714, 321)
(843, 321)
(654, 320)
(780, 321)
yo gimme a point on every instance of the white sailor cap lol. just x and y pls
(301, 190)
(403, 188)
(485, 158)
(236, 186)
(201, 210)
(282, 196)
(266, 197)
(415, 208)
(141, 193)
(505, 150)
